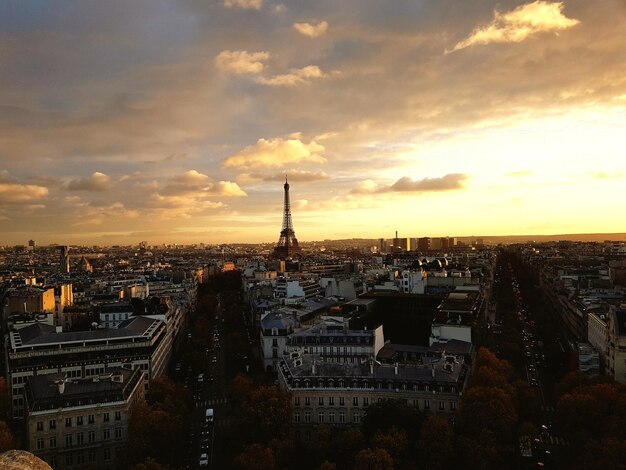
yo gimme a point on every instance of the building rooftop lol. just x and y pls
(40, 334)
(52, 391)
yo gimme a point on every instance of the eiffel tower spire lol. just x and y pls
(287, 243)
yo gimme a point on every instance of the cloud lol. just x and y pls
(241, 62)
(292, 175)
(97, 216)
(279, 8)
(196, 184)
(294, 77)
(228, 188)
(519, 24)
(311, 30)
(297, 175)
(95, 182)
(5, 177)
(276, 153)
(448, 182)
(244, 4)
(12, 193)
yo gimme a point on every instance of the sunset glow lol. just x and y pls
(178, 121)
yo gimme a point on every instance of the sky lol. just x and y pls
(176, 121)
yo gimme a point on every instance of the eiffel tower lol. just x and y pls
(287, 243)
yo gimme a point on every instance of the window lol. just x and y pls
(53, 442)
(106, 434)
(331, 401)
(90, 419)
(53, 461)
(40, 443)
(105, 417)
(355, 401)
(442, 405)
(118, 433)
(341, 401)
(275, 342)
(80, 438)
(296, 418)
(427, 404)
(107, 454)
(52, 424)
(307, 416)
(320, 401)
(68, 422)
(39, 425)
(357, 418)
(118, 416)
(307, 401)
(80, 459)
(453, 405)
(320, 417)
(342, 417)
(69, 460)
(91, 456)
(296, 401)
(366, 401)
(331, 417)
(68, 440)
(79, 421)
(91, 437)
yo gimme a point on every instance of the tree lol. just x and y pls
(487, 408)
(326, 465)
(138, 306)
(373, 459)
(5, 399)
(436, 443)
(168, 396)
(155, 433)
(255, 457)
(149, 464)
(7, 441)
(263, 411)
(394, 441)
(392, 413)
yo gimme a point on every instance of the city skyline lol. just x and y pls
(177, 122)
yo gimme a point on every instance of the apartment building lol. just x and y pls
(338, 394)
(39, 349)
(75, 422)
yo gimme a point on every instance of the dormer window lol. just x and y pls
(274, 331)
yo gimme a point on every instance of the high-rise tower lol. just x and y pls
(287, 243)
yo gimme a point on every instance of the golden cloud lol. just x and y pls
(276, 153)
(196, 184)
(96, 216)
(241, 62)
(448, 182)
(244, 4)
(11, 193)
(519, 24)
(294, 77)
(311, 30)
